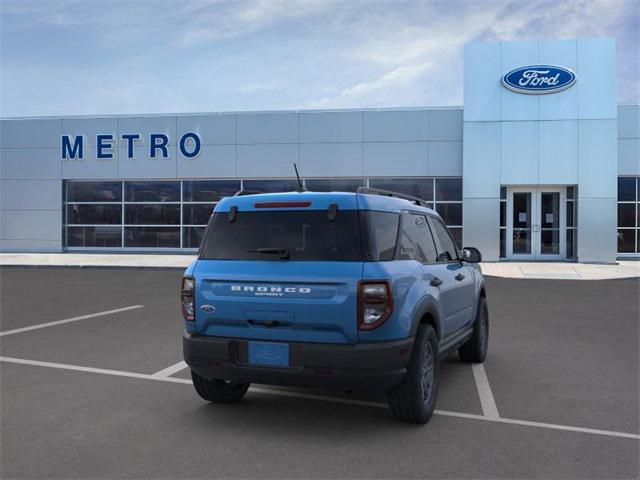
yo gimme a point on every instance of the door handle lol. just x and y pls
(436, 282)
(459, 277)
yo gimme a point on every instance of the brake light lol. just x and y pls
(375, 303)
(281, 204)
(186, 298)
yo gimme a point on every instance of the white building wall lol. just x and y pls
(30, 186)
(565, 138)
(412, 142)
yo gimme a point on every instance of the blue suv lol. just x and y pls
(361, 291)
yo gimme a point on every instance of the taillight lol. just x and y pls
(186, 298)
(375, 303)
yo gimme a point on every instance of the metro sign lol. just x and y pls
(539, 79)
(72, 146)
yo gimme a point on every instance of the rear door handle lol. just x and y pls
(435, 282)
(459, 277)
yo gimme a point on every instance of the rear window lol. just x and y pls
(302, 235)
(291, 234)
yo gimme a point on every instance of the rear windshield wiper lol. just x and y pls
(283, 252)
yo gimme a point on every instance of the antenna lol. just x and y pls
(300, 186)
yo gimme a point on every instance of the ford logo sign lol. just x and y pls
(539, 79)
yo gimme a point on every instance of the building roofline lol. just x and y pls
(233, 112)
(253, 112)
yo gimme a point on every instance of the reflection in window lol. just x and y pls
(96, 237)
(142, 208)
(152, 191)
(208, 190)
(91, 214)
(152, 237)
(94, 191)
(416, 187)
(192, 236)
(146, 214)
(334, 184)
(270, 186)
(451, 213)
(628, 214)
(448, 189)
(197, 214)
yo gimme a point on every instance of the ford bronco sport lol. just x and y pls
(358, 291)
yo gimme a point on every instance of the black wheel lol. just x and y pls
(474, 350)
(415, 398)
(219, 391)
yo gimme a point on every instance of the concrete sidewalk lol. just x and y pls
(549, 270)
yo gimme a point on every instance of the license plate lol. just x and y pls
(269, 354)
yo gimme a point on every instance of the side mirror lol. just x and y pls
(471, 255)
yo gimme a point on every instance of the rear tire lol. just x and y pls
(474, 350)
(219, 391)
(415, 398)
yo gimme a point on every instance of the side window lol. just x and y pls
(415, 241)
(447, 251)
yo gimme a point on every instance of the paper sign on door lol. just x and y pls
(522, 216)
(548, 218)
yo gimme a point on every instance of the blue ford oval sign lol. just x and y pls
(539, 79)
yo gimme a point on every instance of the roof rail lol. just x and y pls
(389, 193)
(241, 193)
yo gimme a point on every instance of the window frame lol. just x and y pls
(436, 238)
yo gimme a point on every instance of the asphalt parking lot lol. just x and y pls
(103, 395)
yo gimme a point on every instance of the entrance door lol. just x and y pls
(536, 223)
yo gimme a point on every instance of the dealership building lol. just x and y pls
(541, 163)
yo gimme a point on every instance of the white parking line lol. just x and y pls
(488, 403)
(284, 393)
(167, 372)
(67, 320)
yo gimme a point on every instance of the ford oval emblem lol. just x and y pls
(208, 308)
(539, 79)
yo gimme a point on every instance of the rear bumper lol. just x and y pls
(370, 367)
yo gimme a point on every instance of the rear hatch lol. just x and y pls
(281, 267)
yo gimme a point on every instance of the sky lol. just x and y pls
(95, 57)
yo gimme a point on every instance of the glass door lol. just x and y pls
(536, 223)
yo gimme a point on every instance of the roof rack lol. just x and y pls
(241, 193)
(389, 193)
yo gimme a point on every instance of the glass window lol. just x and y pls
(503, 214)
(626, 189)
(626, 214)
(191, 236)
(270, 186)
(569, 243)
(503, 193)
(197, 214)
(451, 213)
(334, 184)
(570, 209)
(456, 233)
(571, 193)
(274, 235)
(94, 237)
(447, 250)
(626, 241)
(379, 233)
(503, 243)
(448, 189)
(208, 190)
(152, 214)
(416, 187)
(94, 191)
(109, 214)
(415, 241)
(156, 237)
(152, 191)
